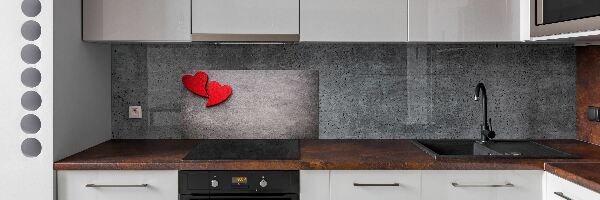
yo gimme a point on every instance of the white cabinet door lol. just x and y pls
(136, 20)
(561, 189)
(468, 20)
(117, 185)
(482, 185)
(229, 17)
(375, 185)
(353, 20)
(314, 185)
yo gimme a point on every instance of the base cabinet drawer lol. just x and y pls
(117, 185)
(314, 184)
(375, 185)
(560, 189)
(482, 185)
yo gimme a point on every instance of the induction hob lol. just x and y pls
(245, 149)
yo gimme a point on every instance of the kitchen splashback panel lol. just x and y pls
(266, 104)
(359, 91)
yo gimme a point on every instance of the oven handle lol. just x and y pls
(286, 196)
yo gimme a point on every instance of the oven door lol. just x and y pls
(552, 17)
(241, 197)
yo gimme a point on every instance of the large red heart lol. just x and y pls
(196, 83)
(217, 94)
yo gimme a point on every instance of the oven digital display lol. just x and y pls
(239, 180)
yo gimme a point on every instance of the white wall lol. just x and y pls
(73, 75)
(82, 89)
(24, 177)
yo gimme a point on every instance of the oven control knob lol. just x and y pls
(214, 183)
(263, 183)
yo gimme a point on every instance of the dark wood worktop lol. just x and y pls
(314, 154)
(584, 174)
(157, 155)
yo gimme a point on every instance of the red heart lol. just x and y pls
(217, 94)
(196, 83)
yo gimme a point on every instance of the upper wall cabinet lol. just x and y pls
(245, 20)
(307, 20)
(354, 21)
(468, 20)
(136, 20)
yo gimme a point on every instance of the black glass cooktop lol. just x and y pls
(239, 149)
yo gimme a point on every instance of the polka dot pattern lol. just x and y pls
(31, 77)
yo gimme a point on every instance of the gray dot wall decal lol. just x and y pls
(31, 54)
(31, 8)
(31, 124)
(31, 147)
(31, 77)
(31, 100)
(31, 30)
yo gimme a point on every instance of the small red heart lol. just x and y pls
(217, 94)
(196, 83)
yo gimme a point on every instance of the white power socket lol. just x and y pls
(135, 112)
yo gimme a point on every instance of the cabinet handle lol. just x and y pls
(491, 185)
(376, 184)
(114, 186)
(560, 194)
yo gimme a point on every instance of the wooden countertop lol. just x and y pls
(584, 174)
(314, 154)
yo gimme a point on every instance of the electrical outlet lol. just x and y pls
(135, 112)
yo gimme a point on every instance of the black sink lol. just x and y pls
(471, 149)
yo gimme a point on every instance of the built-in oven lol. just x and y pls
(237, 185)
(552, 17)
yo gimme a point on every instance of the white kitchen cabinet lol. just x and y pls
(314, 184)
(354, 21)
(245, 20)
(117, 185)
(468, 20)
(560, 189)
(375, 184)
(136, 20)
(482, 185)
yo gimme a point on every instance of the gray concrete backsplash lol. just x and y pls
(345, 91)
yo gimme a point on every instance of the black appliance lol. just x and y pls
(245, 149)
(551, 17)
(554, 11)
(234, 185)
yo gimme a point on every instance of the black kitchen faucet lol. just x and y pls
(486, 129)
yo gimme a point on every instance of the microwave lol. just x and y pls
(553, 17)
